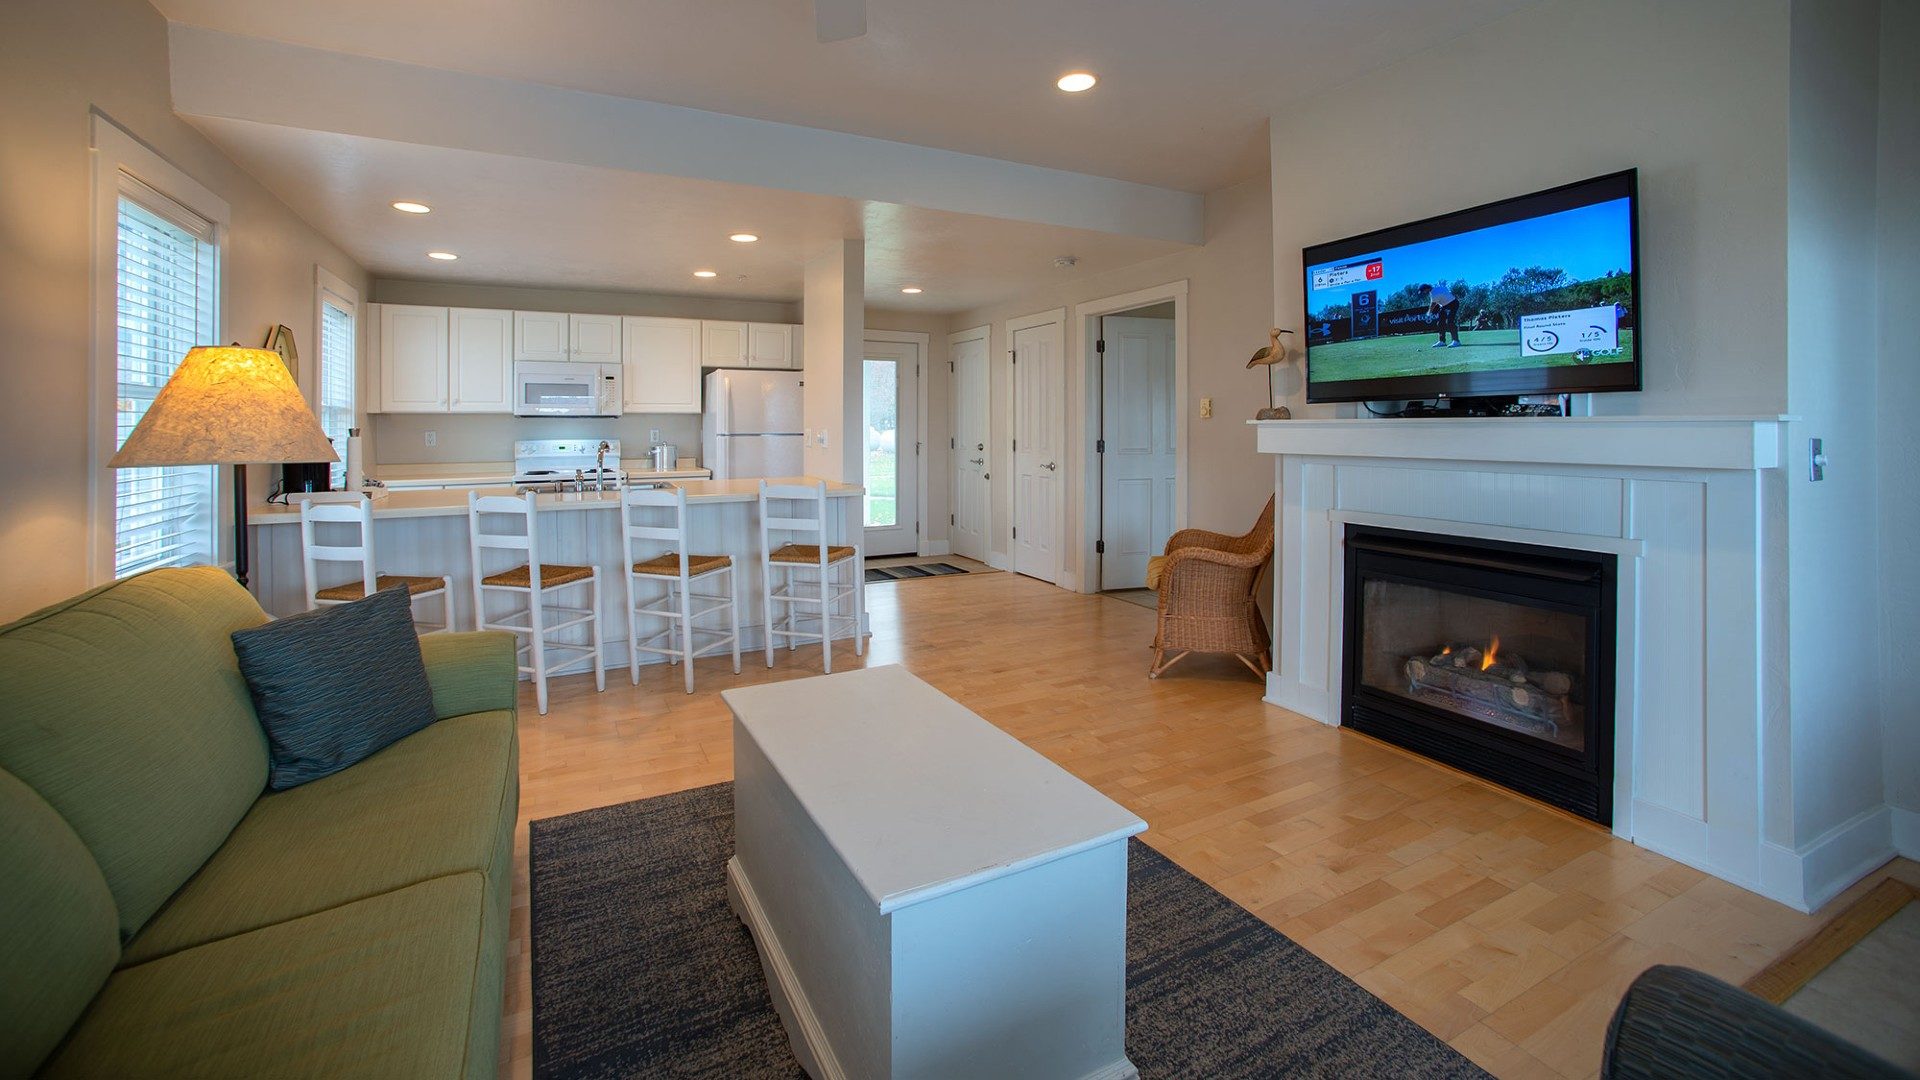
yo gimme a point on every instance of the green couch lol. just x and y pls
(162, 914)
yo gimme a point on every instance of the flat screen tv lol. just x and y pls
(1538, 294)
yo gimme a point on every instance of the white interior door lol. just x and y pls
(891, 427)
(968, 533)
(1137, 463)
(1039, 445)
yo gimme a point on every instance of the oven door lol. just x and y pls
(556, 389)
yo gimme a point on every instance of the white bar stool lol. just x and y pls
(534, 580)
(352, 508)
(678, 571)
(809, 516)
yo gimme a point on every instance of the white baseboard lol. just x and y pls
(999, 561)
(804, 1032)
(1821, 870)
(1906, 832)
(1124, 1069)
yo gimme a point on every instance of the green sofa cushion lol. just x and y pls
(126, 711)
(384, 987)
(433, 803)
(61, 933)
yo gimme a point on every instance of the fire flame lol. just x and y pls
(1493, 650)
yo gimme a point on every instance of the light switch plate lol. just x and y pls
(1206, 408)
(433, 438)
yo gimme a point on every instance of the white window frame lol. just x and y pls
(115, 152)
(330, 287)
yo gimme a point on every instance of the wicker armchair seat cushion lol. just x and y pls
(668, 565)
(354, 590)
(551, 574)
(809, 554)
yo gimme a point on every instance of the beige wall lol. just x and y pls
(58, 60)
(1693, 94)
(1230, 308)
(400, 438)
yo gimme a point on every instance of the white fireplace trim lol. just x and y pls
(1678, 500)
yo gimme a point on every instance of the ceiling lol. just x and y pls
(523, 221)
(1185, 89)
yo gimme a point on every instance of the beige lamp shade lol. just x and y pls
(226, 405)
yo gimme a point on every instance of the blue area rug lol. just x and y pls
(641, 970)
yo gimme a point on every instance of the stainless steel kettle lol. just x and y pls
(665, 456)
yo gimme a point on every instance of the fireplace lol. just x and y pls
(1491, 657)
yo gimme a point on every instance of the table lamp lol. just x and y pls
(226, 405)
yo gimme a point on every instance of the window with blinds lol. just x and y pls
(336, 377)
(165, 305)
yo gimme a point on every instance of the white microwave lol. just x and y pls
(565, 389)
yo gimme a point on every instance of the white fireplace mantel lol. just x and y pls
(1686, 442)
(1683, 504)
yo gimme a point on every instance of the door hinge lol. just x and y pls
(1099, 547)
(949, 365)
(1016, 532)
(1100, 346)
(953, 519)
(952, 445)
(1100, 446)
(916, 448)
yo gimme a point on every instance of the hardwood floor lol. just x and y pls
(1505, 927)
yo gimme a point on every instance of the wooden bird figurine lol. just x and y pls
(1268, 357)
(1273, 353)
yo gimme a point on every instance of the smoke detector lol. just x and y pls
(1067, 262)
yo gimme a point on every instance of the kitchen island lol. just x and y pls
(425, 532)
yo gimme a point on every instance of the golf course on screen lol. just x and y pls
(1413, 354)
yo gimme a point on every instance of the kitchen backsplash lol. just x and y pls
(400, 438)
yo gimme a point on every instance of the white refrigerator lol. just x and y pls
(751, 426)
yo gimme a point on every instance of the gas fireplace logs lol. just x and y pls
(1498, 689)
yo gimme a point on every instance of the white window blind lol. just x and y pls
(336, 377)
(165, 305)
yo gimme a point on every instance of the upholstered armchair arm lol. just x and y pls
(1674, 1021)
(471, 672)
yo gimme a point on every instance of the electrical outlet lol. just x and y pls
(653, 435)
(1206, 408)
(433, 438)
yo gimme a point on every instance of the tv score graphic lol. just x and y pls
(1581, 331)
(1353, 273)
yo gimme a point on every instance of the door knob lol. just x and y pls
(1049, 466)
(979, 446)
(976, 461)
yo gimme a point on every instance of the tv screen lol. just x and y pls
(1532, 295)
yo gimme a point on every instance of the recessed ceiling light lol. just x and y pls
(413, 207)
(1073, 82)
(743, 238)
(443, 256)
(911, 290)
(706, 273)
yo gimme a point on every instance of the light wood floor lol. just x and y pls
(1504, 927)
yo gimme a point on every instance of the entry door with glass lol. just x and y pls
(891, 427)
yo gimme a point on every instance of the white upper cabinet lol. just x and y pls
(799, 341)
(593, 339)
(480, 360)
(540, 335)
(662, 364)
(413, 358)
(769, 345)
(723, 344)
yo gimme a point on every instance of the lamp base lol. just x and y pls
(1277, 413)
(240, 525)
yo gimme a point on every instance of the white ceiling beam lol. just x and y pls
(216, 74)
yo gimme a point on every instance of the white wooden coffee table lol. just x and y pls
(930, 897)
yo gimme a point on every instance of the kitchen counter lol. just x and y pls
(430, 503)
(485, 474)
(425, 533)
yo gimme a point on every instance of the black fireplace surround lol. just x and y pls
(1491, 657)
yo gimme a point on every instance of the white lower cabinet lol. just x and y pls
(480, 360)
(413, 358)
(661, 359)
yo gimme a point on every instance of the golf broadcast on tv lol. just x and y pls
(1549, 290)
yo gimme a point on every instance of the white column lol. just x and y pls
(834, 310)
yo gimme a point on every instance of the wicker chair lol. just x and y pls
(1206, 585)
